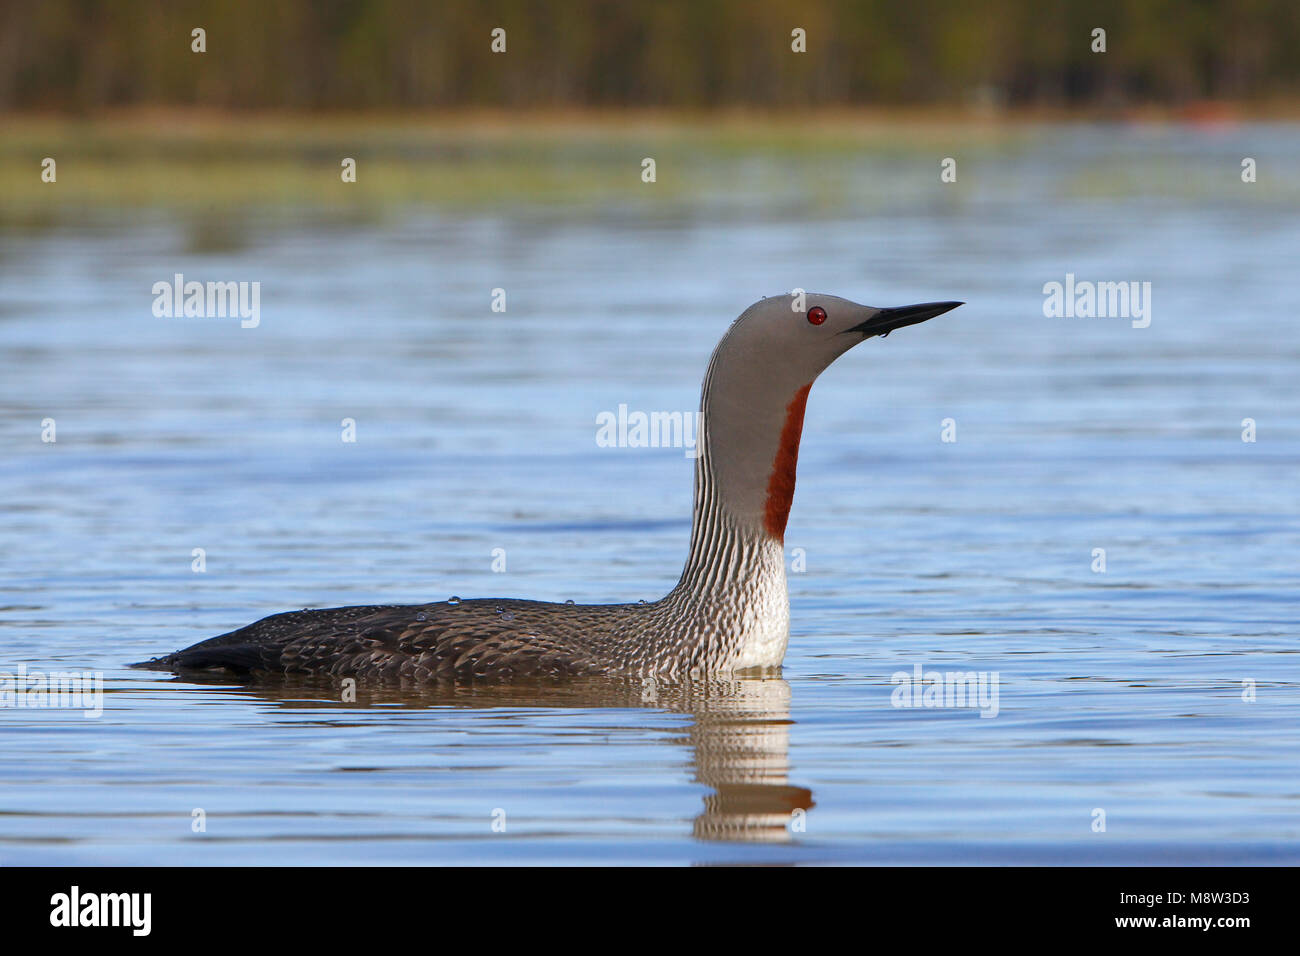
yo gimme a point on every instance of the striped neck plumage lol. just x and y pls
(740, 514)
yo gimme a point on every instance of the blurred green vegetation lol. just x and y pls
(222, 162)
(82, 55)
(218, 170)
(412, 91)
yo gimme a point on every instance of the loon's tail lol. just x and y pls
(218, 653)
(165, 663)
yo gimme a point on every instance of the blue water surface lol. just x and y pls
(1148, 713)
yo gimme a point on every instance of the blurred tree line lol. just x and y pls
(78, 55)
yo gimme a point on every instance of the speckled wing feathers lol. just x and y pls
(471, 639)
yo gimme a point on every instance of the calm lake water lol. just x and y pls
(1123, 691)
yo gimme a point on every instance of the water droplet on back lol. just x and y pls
(570, 601)
(421, 616)
(453, 600)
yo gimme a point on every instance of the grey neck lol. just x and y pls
(730, 609)
(727, 552)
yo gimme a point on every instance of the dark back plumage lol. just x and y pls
(477, 639)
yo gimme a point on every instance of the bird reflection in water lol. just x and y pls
(739, 735)
(740, 741)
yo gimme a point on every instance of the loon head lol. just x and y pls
(756, 389)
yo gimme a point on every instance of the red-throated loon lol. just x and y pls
(728, 613)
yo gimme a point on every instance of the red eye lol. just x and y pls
(816, 315)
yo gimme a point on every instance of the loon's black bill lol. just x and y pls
(886, 320)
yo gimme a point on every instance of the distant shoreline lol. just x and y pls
(220, 162)
(1194, 112)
